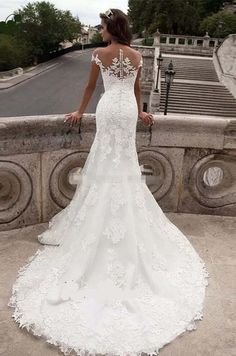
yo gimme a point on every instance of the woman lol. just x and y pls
(118, 277)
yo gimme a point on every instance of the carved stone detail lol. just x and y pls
(219, 190)
(161, 180)
(61, 190)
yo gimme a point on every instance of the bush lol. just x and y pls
(221, 24)
(12, 53)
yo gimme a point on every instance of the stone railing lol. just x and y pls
(184, 44)
(224, 59)
(189, 162)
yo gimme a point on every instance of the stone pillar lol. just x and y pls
(157, 38)
(206, 40)
(154, 102)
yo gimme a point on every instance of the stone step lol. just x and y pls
(194, 77)
(196, 53)
(197, 112)
(209, 94)
(196, 98)
(191, 71)
(190, 86)
(188, 62)
(195, 90)
(199, 105)
(190, 68)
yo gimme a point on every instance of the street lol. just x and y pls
(57, 90)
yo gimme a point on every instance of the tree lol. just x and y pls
(13, 53)
(170, 16)
(209, 7)
(97, 38)
(220, 24)
(43, 27)
(135, 14)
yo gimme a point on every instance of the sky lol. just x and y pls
(86, 10)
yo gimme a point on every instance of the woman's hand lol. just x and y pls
(73, 117)
(146, 117)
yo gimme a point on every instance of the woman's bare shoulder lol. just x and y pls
(97, 50)
(112, 51)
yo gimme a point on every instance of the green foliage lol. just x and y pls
(220, 24)
(171, 16)
(148, 41)
(8, 28)
(97, 38)
(43, 27)
(13, 53)
(208, 7)
(135, 14)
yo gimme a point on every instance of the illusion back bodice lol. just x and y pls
(118, 72)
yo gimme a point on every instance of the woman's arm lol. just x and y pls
(137, 91)
(89, 89)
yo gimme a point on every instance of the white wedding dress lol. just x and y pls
(115, 276)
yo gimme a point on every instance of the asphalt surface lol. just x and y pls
(57, 90)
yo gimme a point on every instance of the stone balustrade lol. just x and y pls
(189, 164)
(184, 44)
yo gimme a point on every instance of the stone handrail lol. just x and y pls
(186, 44)
(191, 160)
(224, 59)
(195, 40)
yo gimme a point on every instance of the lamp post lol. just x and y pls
(219, 28)
(83, 42)
(169, 76)
(8, 16)
(159, 62)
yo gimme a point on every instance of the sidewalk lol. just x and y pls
(33, 71)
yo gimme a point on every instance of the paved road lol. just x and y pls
(55, 91)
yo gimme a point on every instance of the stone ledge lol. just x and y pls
(192, 161)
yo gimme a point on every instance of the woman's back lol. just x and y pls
(118, 62)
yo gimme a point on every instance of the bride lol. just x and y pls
(114, 276)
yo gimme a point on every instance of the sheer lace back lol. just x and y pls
(120, 66)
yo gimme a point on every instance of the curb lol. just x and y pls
(13, 81)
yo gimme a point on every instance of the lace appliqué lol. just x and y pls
(89, 201)
(115, 270)
(120, 67)
(115, 230)
(140, 201)
(87, 241)
(117, 198)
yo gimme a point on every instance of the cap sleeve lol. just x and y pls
(94, 58)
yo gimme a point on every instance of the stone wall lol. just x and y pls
(190, 164)
(183, 44)
(224, 59)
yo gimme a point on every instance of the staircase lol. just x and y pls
(196, 88)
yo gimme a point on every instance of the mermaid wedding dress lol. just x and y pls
(115, 276)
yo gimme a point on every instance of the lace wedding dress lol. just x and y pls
(115, 276)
